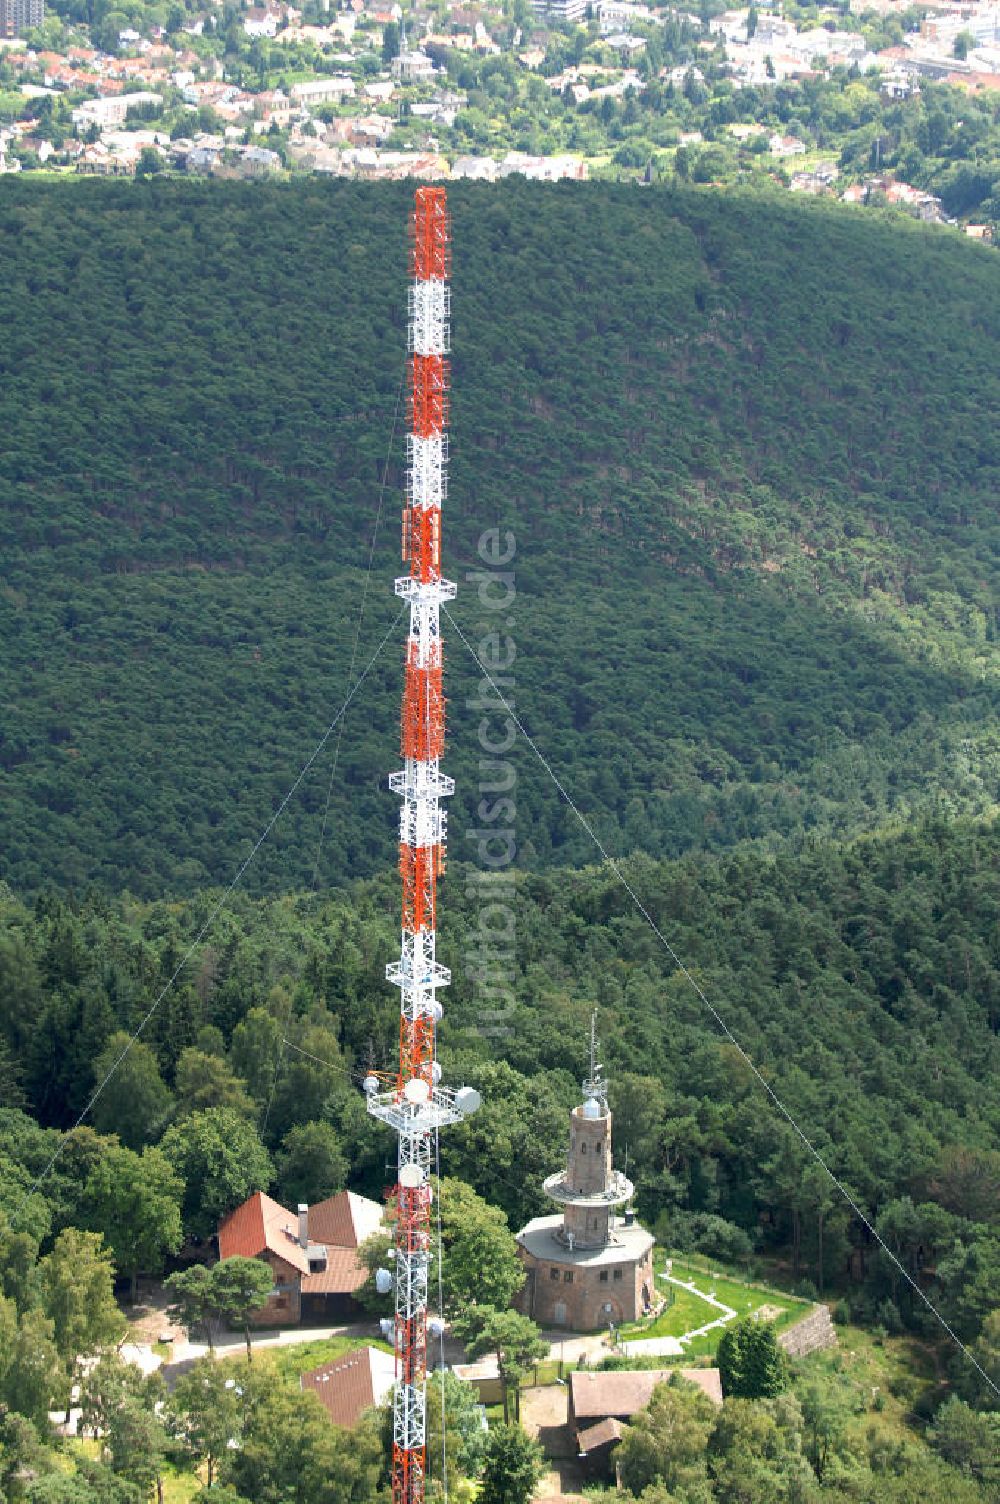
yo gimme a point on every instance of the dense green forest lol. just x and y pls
(743, 445)
(863, 980)
(863, 977)
(744, 453)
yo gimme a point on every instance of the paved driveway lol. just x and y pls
(543, 1416)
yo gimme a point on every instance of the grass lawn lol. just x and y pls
(296, 1357)
(545, 1373)
(179, 1484)
(688, 1311)
(743, 1297)
(178, 1487)
(685, 1313)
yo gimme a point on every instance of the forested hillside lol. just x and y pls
(745, 447)
(863, 980)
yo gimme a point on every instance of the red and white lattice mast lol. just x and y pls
(417, 1105)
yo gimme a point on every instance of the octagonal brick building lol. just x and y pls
(586, 1266)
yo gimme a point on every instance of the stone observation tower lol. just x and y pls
(586, 1266)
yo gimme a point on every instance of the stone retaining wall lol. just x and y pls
(813, 1332)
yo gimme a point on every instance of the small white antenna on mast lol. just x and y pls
(594, 1086)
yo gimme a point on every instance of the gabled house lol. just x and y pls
(340, 1224)
(352, 1384)
(312, 1254)
(601, 1403)
(263, 1229)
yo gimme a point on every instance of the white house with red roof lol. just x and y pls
(312, 1254)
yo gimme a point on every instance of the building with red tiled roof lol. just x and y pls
(973, 83)
(263, 1229)
(341, 1224)
(345, 1219)
(352, 1384)
(601, 1402)
(262, 1226)
(313, 1254)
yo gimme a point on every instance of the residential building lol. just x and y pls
(252, 162)
(312, 1254)
(323, 90)
(436, 113)
(561, 10)
(394, 165)
(413, 68)
(600, 1404)
(732, 25)
(619, 15)
(625, 43)
(113, 110)
(352, 1384)
(772, 29)
(980, 22)
(97, 161)
(543, 169)
(202, 159)
(482, 41)
(259, 22)
(898, 84)
(785, 146)
(820, 180)
(483, 169)
(366, 130)
(840, 46)
(19, 16)
(902, 195)
(272, 107)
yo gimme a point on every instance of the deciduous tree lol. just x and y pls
(134, 1202)
(515, 1339)
(753, 1459)
(32, 1373)
(480, 1262)
(135, 1102)
(512, 1466)
(193, 1300)
(206, 1412)
(311, 1164)
(239, 1287)
(750, 1361)
(203, 1080)
(667, 1442)
(289, 1452)
(221, 1160)
(76, 1281)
